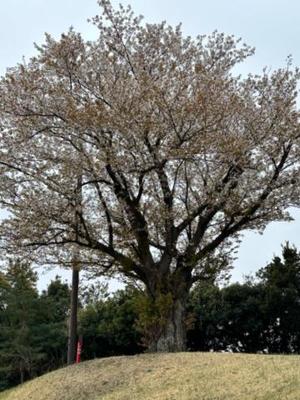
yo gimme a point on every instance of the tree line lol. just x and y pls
(259, 315)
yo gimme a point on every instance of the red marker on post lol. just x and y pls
(79, 349)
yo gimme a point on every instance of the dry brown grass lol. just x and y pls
(183, 376)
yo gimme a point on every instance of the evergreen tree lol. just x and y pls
(20, 353)
(108, 324)
(228, 318)
(55, 306)
(33, 327)
(281, 308)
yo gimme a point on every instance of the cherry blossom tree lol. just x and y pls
(177, 155)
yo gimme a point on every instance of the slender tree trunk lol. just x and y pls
(22, 374)
(72, 337)
(72, 342)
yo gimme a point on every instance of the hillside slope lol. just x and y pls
(183, 376)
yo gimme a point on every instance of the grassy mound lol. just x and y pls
(183, 376)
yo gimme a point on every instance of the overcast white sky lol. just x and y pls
(271, 26)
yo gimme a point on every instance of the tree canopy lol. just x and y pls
(176, 154)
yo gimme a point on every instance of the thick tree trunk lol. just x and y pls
(168, 329)
(72, 340)
(173, 333)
